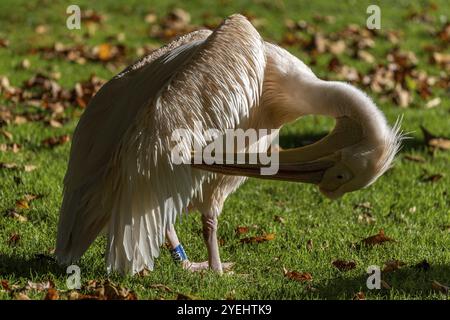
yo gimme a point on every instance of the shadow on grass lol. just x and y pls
(405, 283)
(38, 265)
(293, 141)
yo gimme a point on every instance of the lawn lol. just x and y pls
(410, 202)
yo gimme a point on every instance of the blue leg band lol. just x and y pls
(178, 254)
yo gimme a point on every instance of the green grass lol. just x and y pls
(332, 226)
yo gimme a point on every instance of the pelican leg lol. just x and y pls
(210, 238)
(210, 224)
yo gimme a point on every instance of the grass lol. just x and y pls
(412, 212)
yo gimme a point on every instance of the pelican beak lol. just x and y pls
(290, 170)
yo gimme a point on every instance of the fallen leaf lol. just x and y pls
(105, 290)
(344, 265)
(402, 97)
(161, 286)
(5, 285)
(259, 239)
(29, 167)
(56, 141)
(431, 178)
(359, 296)
(4, 165)
(6, 134)
(16, 216)
(104, 52)
(297, 276)
(366, 56)
(75, 295)
(21, 296)
(440, 143)
(376, 239)
(385, 285)
(309, 245)
(52, 294)
(439, 287)
(393, 265)
(435, 142)
(31, 197)
(414, 158)
(241, 230)
(22, 204)
(13, 239)
(433, 103)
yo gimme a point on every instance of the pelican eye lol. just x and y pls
(340, 176)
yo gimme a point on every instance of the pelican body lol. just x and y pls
(121, 178)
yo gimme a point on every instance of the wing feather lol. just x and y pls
(215, 81)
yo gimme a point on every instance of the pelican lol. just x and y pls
(121, 179)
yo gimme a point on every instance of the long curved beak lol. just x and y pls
(287, 168)
(304, 164)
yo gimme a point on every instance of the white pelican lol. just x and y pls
(120, 176)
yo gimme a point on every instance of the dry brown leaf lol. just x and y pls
(151, 18)
(393, 265)
(161, 286)
(21, 296)
(431, 178)
(343, 265)
(309, 245)
(56, 141)
(359, 296)
(337, 47)
(16, 216)
(440, 143)
(22, 204)
(297, 276)
(6, 134)
(31, 197)
(241, 230)
(366, 56)
(75, 295)
(106, 290)
(4, 43)
(29, 167)
(259, 239)
(377, 239)
(55, 123)
(433, 103)
(4, 165)
(439, 287)
(402, 97)
(435, 142)
(5, 285)
(13, 239)
(52, 294)
(414, 158)
(441, 58)
(104, 52)
(385, 285)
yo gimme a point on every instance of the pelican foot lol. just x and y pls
(200, 266)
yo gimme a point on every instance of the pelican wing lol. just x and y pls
(121, 174)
